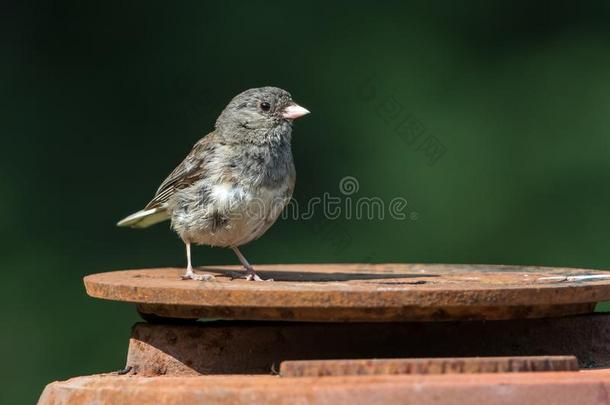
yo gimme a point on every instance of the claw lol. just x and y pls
(198, 277)
(255, 277)
(250, 273)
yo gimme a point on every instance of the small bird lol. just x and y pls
(236, 180)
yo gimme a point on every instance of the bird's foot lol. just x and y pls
(199, 277)
(252, 276)
(191, 275)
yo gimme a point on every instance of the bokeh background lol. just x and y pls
(100, 100)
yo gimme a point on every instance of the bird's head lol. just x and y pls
(259, 114)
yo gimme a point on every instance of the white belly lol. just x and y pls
(243, 215)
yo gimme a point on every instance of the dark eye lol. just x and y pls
(265, 106)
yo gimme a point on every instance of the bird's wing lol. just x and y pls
(190, 170)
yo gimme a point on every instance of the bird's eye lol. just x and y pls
(265, 106)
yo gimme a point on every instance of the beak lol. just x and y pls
(294, 111)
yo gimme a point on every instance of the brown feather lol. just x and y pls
(186, 173)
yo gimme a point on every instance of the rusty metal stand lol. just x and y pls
(358, 334)
(260, 347)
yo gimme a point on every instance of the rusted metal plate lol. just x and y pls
(566, 388)
(359, 292)
(451, 365)
(231, 347)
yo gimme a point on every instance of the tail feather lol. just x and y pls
(145, 218)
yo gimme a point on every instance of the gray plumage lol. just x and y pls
(236, 180)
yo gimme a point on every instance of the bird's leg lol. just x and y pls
(190, 274)
(250, 273)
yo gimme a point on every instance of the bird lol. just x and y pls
(235, 182)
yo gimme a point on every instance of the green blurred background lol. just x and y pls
(100, 100)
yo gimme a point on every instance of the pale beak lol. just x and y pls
(294, 111)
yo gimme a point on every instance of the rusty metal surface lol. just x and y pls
(359, 292)
(450, 365)
(551, 388)
(240, 347)
(362, 314)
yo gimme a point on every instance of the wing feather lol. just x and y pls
(191, 169)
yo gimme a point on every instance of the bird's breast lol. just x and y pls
(234, 214)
